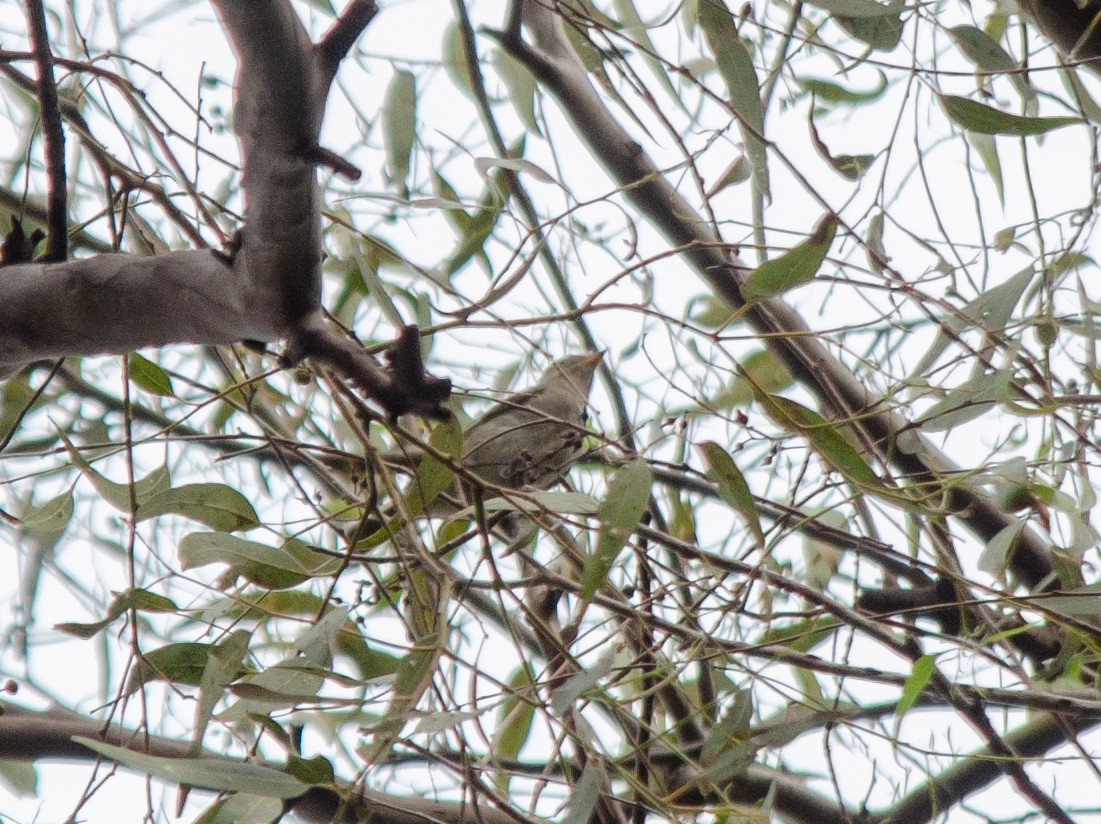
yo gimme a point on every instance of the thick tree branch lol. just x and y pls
(269, 288)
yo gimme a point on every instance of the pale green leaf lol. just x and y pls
(217, 774)
(215, 505)
(399, 125)
(736, 67)
(978, 117)
(732, 486)
(623, 508)
(794, 267)
(922, 671)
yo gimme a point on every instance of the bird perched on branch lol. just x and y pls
(531, 439)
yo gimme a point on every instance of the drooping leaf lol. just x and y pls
(990, 310)
(219, 774)
(118, 495)
(733, 729)
(19, 777)
(918, 679)
(141, 600)
(994, 558)
(1082, 602)
(514, 721)
(244, 808)
(986, 146)
(988, 55)
(850, 167)
(627, 500)
(983, 119)
(50, 517)
(875, 250)
(794, 267)
(968, 401)
(520, 83)
(732, 486)
(565, 697)
(585, 794)
(266, 566)
(824, 436)
(880, 33)
(736, 68)
(831, 92)
(223, 665)
(399, 126)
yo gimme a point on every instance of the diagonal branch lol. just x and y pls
(840, 392)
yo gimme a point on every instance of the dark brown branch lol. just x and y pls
(344, 32)
(980, 769)
(53, 136)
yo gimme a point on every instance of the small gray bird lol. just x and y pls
(530, 439)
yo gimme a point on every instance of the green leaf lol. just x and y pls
(991, 311)
(830, 92)
(219, 774)
(565, 697)
(733, 729)
(850, 167)
(223, 664)
(180, 663)
(825, 437)
(20, 777)
(215, 505)
(987, 149)
(536, 501)
(399, 126)
(49, 518)
(147, 375)
(116, 494)
(736, 67)
(244, 808)
(968, 401)
(520, 84)
(514, 721)
(266, 566)
(923, 670)
(628, 498)
(314, 771)
(994, 558)
(859, 8)
(281, 686)
(881, 33)
(141, 600)
(585, 794)
(983, 119)
(875, 250)
(1083, 602)
(794, 267)
(732, 486)
(981, 49)
(634, 28)
(801, 637)
(988, 55)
